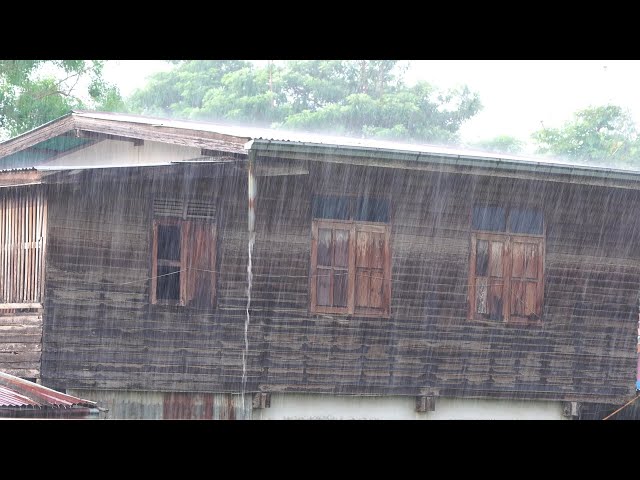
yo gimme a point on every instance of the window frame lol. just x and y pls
(508, 238)
(185, 279)
(353, 227)
(351, 271)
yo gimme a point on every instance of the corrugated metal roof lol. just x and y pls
(54, 168)
(297, 137)
(255, 133)
(20, 169)
(196, 160)
(16, 392)
(232, 138)
(11, 398)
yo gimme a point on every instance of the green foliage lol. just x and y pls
(33, 92)
(603, 135)
(502, 144)
(363, 98)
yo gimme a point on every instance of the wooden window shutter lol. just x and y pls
(190, 272)
(372, 269)
(332, 267)
(527, 278)
(350, 268)
(506, 277)
(200, 287)
(489, 276)
(194, 270)
(154, 265)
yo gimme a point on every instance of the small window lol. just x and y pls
(363, 209)
(492, 219)
(371, 209)
(506, 274)
(183, 268)
(525, 220)
(350, 256)
(514, 220)
(337, 208)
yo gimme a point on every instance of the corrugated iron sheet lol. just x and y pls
(268, 134)
(16, 392)
(11, 398)
(234, 134)
(20, 169)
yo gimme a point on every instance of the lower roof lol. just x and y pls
(20, 393)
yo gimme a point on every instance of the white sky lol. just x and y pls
(517, 95)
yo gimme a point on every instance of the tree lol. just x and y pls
(602, 135)
(33, 92)
(363, 98)
(502, 144)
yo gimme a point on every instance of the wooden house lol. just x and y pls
(173, 269)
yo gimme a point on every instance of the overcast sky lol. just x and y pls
(518, 95)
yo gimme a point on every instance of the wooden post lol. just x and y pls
(425, 404)
(261, 400)
(572, 410)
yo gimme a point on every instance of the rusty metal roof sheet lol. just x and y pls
(16, 392)
(262, 136)
(239, 140)
(20, 169)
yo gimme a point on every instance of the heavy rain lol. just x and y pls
(319, 239)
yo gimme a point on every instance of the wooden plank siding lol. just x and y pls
(101, 331)
(21, 343)
(583, 349)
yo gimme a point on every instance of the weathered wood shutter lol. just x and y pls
(23, 214)
(201, 263)
(195, 268)
(331, 266)
(526, 278)
(489, 275)
(350, 268)
(506, 277)
(372, 269)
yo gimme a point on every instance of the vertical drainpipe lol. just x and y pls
(252, 194)
(251, 224)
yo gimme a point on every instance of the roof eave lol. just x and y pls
(83, 121)
(444, 162)
(32, 137)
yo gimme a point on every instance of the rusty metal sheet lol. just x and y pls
(10, 398)
(16, 392)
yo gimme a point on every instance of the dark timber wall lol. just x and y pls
(101, 332)
(585, 348)
(21, 343)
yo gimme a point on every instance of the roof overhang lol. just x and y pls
(81, 129)
(225, 144)
(20, 178)
(469, 164)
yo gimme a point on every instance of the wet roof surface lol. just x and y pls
(16, 392)
(268, 134)
(297, 139)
